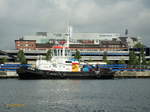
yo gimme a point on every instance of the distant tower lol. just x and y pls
(126, 32)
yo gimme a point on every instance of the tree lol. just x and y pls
(141, 57)
(121, 61)
(90, 59)
(132, 58)
(138, 45)
(48, 55)
(77, 55)
(147, 62)
(105, 56)
(3, 60)
(109, 62)
(21, 57)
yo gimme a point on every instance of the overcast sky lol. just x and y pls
(25, 17)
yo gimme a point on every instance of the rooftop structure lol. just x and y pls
(101, 41)
(75, 36)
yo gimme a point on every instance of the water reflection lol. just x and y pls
(75, 95)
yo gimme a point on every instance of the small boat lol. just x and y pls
(63, 66)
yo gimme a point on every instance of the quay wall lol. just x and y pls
(132, 74)
(118, 74)
(8, 74)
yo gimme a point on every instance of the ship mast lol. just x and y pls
(69, 35)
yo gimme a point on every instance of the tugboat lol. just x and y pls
(62, 66)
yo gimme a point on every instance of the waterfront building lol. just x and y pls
(25, 44)
(80, 41)
(32, 55)
(91, 45)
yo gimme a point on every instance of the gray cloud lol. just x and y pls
(23, 17)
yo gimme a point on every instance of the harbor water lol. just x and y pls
(118, 95)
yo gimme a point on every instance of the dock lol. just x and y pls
(132, 74)
(8, 74)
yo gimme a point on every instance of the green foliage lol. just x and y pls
(90, 59)
(109, 62)
(147, 62)
(133, 60)
(141, 58)
(77, 55)
(48, 55)
(3, 60)
(105, 56)
(121, 61)
(138, 45)
(21, 57)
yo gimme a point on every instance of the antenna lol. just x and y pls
(126, 32)
(69, 30)
(69, 34)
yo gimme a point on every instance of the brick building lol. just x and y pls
(87, 41)
(25, 44)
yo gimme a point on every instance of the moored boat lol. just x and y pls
(62, 66)
(26, 73)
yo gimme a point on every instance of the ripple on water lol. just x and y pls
(75, 96)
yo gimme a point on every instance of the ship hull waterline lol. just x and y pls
(41, 74)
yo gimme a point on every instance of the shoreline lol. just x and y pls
(9, 77)
(118, 75)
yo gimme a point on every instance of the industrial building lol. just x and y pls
(80, 41)
(91, 45)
